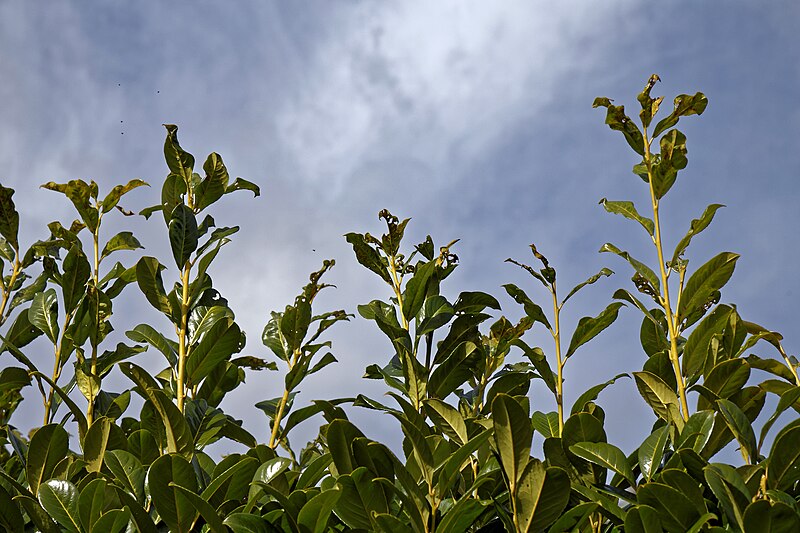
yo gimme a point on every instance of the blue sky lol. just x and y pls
(473, 118)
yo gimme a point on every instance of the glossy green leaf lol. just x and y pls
(178, 160)
(121, 241)
(183, 234)
(214, 184)
(178, 434)
(368, 256)
(701, 287)
(542, 495)
(148, 334)
(148, 276)
(513, 434)
(209, 514)
(248, 523)
(740, 426)
(361, 497)
(788, 399)
(684, 105)
(643, 270)
(9, 218)
(675, 511)
(726, 379)
(651, 452)
(95, 442)
(177, 511)
(589, 327)
(532, 309)
(436, 312)
(222, 341)
(112, 198)
(761, 516)
(73, 282)
(605, 455)
(604, 272)
(91, 503)
(617, 120)
(546, 423)
(127, 472)
(658, 395)
(697, 225)
(240, 184)
(416, 289)
(592, 393)
(113, 521)
(315, 514)
(695, 351)
(628, 210)
(461, 516)
(60, 499)
(448, 420)
(10, 515)
(43, 313)
(728, 487)
(783, 466)
(48, 446)
(80, 194)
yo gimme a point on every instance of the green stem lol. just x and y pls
(8, 288)
(672, 319)
(556, 332)
(96, 279)
(276, 424)
(182, 348)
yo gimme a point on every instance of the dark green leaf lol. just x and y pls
(603, 272)
(542, 495)
(94, 443)
(643, 270)
(60, 499)
(685, 105)
(740, 427)
(605, 455)
(367, 256)
(121, 241)
(591, 394)
(532, 309)
(513, 435)
(651, 452)
(695, 351)
(221, 341)
(9, 218)
(179, 161)
(617, 120)
(675, 510)
(416, 289)
(705, 282)
(628, 210)
(146, 333)
(783, 466)
(240, 184)
(546, 423)
(43, 314)
(177, 511)
(182, 234)
(315, 514)
(588, 327)
(112, 198)
(461, 516)
(761, 516)
(659, 396)
(208, 513)
(697, 225)
(148, 276)
(49, 445)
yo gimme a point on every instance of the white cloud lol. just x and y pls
(435, 82)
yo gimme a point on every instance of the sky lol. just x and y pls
(472, 118)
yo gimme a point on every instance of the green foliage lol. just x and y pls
(458, 376)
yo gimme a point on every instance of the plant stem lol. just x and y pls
(7, 289)
(672, 320)
(95, 342)
(556, 332)
(396, 282)
(276, 424)
(182, 349)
